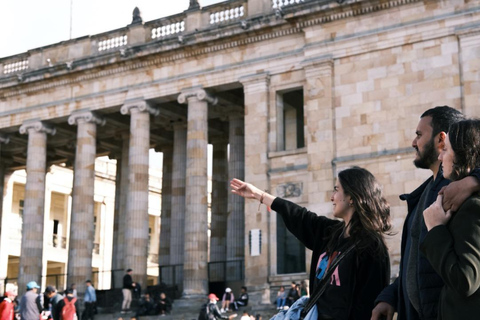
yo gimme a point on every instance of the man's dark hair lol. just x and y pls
(50, 289)
(244, 288)
(88, 281)
(442, 118)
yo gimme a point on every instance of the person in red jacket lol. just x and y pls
(7, 307)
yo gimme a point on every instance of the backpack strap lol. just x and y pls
(324, 282)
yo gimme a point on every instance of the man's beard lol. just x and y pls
(427, 157)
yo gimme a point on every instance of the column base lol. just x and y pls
(187, 301)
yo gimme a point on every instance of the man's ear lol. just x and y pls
(441, 137)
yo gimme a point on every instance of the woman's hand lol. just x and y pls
(246, 190)
(435, 215)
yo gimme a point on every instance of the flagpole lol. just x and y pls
(71, 17)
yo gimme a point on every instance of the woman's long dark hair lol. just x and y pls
(371, 218)
(464, 137)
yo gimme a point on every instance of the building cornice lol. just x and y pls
(224, 38)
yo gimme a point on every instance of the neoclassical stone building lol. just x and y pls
(288, 92)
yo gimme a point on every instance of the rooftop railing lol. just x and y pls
(57, 57)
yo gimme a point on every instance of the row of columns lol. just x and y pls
(184, 199)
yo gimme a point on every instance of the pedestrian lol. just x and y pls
(29, 306)
(74, 290)
(227, 299)
(292, 294)
(7, 307)
(242, 301)
(281, 298)
(303, 288)
(452, 244)
(245, 316)
(416, 291)
(89, 300)
(146, 307)
(68, 308)
(128, 286)
(211, 311)
(164, 304)
(350, 263)
(53, 298)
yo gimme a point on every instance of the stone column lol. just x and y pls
(166, 214)
(218, 226)
(256, 90)
(31, 251)
(179, 171)
(319, 112)
(469, 60)
(81, 222)
(136, 219)
(195, 268)
(236, 204)
(3, 140)
(121, 191)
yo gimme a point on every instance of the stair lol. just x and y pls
(191, 313)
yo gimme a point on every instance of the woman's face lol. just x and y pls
(447, 157)
(341, 202)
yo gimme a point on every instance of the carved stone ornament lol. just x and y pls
(38, 126)
(193, 5)
(200, 94)
(290, 190)
(137, 18)
(86, 116)
(142, 106)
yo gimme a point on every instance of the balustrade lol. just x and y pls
(112, 43)
(283, 3)
(171, 28)
(16, 66)
(228, 14)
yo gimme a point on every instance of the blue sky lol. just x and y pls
(29, 24)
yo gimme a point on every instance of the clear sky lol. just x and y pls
(29, 24)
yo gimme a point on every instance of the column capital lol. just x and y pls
(197, 93)
(140, 105)
(255, 78)
(318, 66)
(38, 126)
(85, 116)
(4, 138)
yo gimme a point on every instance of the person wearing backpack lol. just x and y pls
(210, 310)
(68, 308)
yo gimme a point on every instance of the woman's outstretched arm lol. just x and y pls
(249, 191)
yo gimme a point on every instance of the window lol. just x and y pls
(21, 204)
(290, 252)
(290, 121)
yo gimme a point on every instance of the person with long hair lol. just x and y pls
(364, 219)
(452, 244)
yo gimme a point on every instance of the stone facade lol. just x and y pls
(366, 70)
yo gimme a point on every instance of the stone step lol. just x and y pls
(191, 313)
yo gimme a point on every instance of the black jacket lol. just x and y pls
(429, 283)
(127, 282)
(360, 277)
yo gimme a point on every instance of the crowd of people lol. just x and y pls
(49, 305)
(439, 275)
